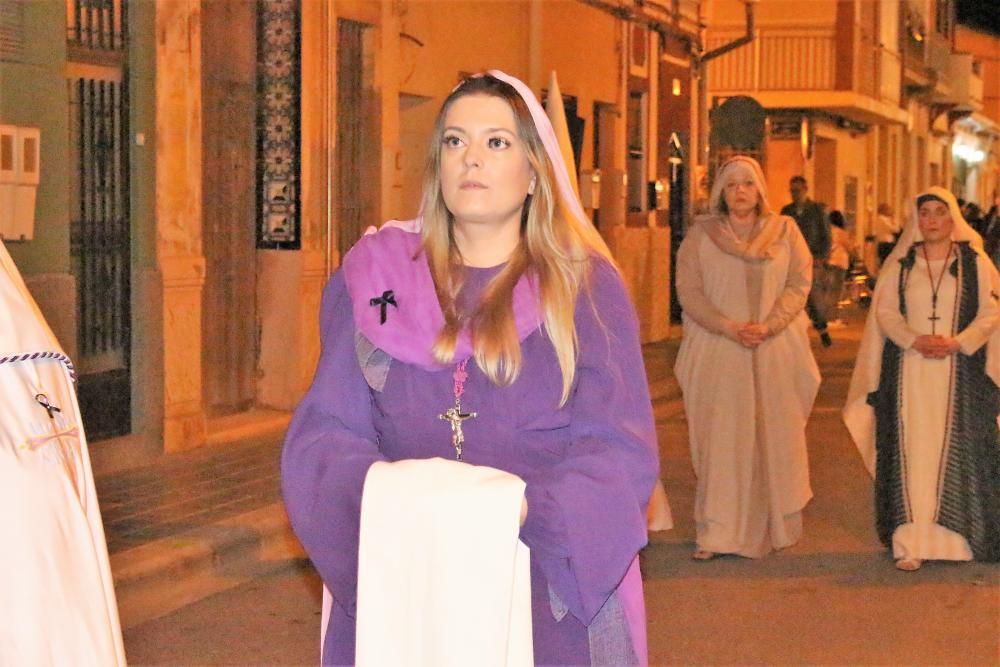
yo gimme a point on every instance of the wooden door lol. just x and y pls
(229, 313)
(358, 135)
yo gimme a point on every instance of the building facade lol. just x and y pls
(860, 98)
(976, 145)
(206, 163)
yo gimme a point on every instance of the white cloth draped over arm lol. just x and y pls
(443, 580)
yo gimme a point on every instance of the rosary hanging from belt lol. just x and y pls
(454, 415)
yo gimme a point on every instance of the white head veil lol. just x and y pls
(858, 415)
(548, 135)
(761, 246)
(564, 187)
(737, 167)
(961, 230)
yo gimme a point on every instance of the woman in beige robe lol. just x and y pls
(745, 367)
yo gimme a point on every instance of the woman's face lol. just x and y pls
(934, 220)
(740, 192)
(485, 173)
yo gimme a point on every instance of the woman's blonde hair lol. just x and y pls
(555, 251)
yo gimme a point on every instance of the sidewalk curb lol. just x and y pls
(159, 577)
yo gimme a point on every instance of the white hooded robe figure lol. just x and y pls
(58, 602)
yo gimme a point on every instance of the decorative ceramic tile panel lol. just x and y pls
(278, 116)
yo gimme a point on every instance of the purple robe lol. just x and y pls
(589, 466)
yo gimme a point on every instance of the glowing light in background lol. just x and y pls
(968, 153)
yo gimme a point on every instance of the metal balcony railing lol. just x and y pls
(804, 59)
(777, 59)
(890, 75)
(937, 55)
(964, 88)
(99, 25)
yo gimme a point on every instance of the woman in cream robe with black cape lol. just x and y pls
(57, 602)
(745, 367)
(926, 425)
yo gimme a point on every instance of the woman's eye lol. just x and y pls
(498, 142)
(451, 141)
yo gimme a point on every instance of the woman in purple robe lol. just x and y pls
(496, 329)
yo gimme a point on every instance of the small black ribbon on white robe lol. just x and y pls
(387, 299)
(43, 401)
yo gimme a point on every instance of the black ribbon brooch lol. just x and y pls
(43, 401)
(387, 299)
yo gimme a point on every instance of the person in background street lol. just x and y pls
(886, 232)
(745, 367)
(991, 231)
(841, 252)
(974, 216)
(811, 218)
(57, 601)
(495, 328)
(923, 401)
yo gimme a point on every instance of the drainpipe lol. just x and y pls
(702, 61)
(330, 132)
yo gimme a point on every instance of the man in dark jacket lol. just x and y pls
(991, 231)
(811, 218)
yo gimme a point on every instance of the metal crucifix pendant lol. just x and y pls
(934, 318)
(455, 417)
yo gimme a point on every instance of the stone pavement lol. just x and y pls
(187, 491)
(833, 599)
(193, 524)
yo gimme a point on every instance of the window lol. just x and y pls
(636, 165)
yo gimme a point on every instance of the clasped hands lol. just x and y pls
(935, 347)
(748, 334)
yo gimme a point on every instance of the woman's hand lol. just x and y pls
(524, 510)
(935, 347)
(747, 334)
(752, 334)
(731, 330)
(949, 345)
